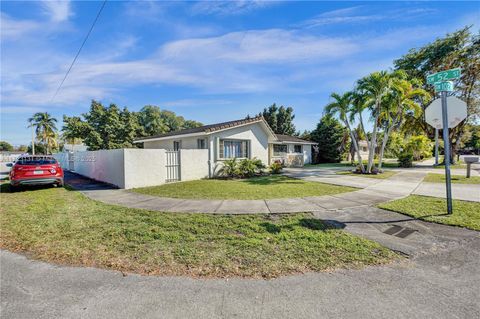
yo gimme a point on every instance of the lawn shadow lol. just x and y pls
(6, 188)
(273, 180)
(309, 223)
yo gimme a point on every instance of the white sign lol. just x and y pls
(457, 112)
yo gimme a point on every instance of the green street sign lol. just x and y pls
(443, 76)
(446, 86)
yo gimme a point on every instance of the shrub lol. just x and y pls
(276, 167)
(244, 168)
(258, 164)
(405, 159)
(420, 146)
(247, 168)
(230, 168)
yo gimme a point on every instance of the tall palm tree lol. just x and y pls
(404, 97)
(45, 129)
(341, 107)
(373, 88)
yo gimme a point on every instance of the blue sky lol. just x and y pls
(207, 61)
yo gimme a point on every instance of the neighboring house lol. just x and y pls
(247, 138)
(363, 148)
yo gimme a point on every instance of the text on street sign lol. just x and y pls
(446, 86)
(443, 76)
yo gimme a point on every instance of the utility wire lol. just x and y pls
(79, 50)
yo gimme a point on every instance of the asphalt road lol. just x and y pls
(441, 283)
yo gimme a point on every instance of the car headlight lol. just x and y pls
(53, 171)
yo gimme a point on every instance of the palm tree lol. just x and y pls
(45, 128)
(341, 106)
(373, 88)
(402, 99)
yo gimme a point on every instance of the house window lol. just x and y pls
(201, 143)
(176, 145)
(297, 148)
(279, 150)
(233, 149)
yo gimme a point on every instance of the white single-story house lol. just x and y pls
(246, 138)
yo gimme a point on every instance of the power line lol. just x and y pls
(80, 49)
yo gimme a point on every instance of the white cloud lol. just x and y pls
(361, 14)
(258, 46)
(13, 29)
(57, 10)
(229, 7)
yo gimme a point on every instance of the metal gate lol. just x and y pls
(71, 161)
(172, 165)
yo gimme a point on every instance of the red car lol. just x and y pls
(36, 170)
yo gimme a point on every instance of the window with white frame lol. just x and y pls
(297, 148)
(233, 149)
(201, 143)
(279, 150)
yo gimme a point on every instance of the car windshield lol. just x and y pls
(35, 160)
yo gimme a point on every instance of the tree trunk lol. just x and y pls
(373, 141)
(386, 134)
(355, 145)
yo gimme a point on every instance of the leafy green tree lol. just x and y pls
(103, 127)
(5, 146)
(39, 149)
(459, 49)
(110, 127)
(341, 106)
(45, 130)
(191, 124)
(473, 140)
(280, 119)
(329, 135)
(155, 121)
(150, 119)
(21, 148)
(420, 146)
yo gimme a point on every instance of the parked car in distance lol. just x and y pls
(36, 170)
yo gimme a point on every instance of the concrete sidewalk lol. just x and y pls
(469, 192)
(380, 191)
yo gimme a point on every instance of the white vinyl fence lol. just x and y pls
(131, 168)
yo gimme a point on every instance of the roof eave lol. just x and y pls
(170, 137)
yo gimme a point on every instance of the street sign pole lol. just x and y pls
(436, 146)
(446, 147)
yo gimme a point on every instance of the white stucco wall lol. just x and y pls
(62, 159)
(143, 167)
(193, 164)
(254, 133)
(186, 143)
(104, 165)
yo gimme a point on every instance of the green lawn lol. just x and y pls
(62, 226)
(384, 175)
(457, 179)
(265, 187)
(432, 209)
